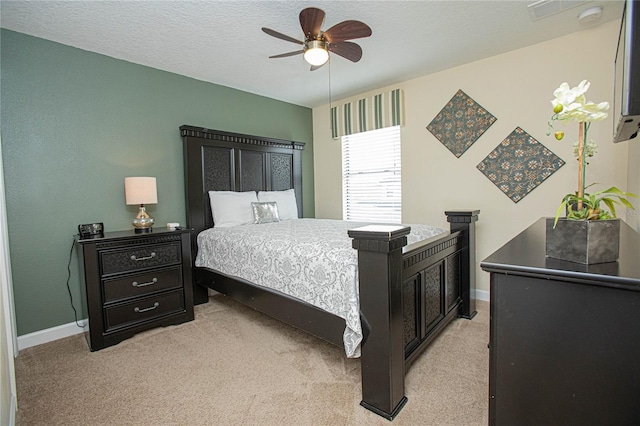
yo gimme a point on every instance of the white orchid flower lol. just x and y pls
(590, 149)
(575, 105)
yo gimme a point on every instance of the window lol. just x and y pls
(371, 186)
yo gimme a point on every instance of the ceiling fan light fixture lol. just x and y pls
(316, 53)
(318, 43)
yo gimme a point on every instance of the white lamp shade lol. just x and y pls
(140, 190)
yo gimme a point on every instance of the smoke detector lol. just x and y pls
(590, 15)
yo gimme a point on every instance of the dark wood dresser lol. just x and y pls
(565, 337)
(134, 282)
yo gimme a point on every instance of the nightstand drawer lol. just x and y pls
(139, 257)
(143, 309)
(141, 284)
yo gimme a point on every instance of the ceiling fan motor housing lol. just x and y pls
(316, 44)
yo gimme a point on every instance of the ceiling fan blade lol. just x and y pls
(347, 49)
(284, 55)
(315, 67)
(281, 36)
(347, 30)
(311, 20)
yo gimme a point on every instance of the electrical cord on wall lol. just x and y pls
(75, 313)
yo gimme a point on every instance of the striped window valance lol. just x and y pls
(372, 113)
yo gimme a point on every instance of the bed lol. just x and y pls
(408, 293)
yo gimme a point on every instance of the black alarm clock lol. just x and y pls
(91, 230)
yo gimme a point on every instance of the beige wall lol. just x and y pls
(515, 87)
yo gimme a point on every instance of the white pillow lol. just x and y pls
(286, 200)
(230, 208)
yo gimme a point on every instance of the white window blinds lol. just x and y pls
(371, 184)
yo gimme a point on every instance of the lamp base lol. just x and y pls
(142, 222)
(143, 230)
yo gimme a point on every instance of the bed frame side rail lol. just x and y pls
(278, 305)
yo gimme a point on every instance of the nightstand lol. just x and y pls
(134, 282)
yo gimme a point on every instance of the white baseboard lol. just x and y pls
(482, 295)
(50, 334)
(66, 330)
(13, 411)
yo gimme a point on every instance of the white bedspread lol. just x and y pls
(309, 259)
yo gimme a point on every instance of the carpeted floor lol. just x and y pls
(235, 366)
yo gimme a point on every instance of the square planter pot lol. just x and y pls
(583, 241)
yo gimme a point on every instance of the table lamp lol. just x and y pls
(141, 190)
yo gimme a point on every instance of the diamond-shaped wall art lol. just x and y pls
(519, 164)
(460, 123)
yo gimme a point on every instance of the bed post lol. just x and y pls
(380, 279)
(465, 221)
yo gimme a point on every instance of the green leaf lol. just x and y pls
(559, 211)
(591, 202)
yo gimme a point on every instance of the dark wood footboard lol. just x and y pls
(407, 297)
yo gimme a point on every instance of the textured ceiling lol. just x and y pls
(222, 42)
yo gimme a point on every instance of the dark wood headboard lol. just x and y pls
(223, 161)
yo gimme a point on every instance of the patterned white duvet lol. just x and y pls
(309, 259)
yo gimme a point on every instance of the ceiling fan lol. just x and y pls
(317, 43)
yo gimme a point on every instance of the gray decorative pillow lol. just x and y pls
(265, 212)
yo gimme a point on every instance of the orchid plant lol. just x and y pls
(570, 104)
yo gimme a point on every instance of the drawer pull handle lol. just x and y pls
(155, 305)
(137, 284)
(138, 259)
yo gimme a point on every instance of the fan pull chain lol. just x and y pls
(330, 109)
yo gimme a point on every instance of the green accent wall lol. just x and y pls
(74, 125)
